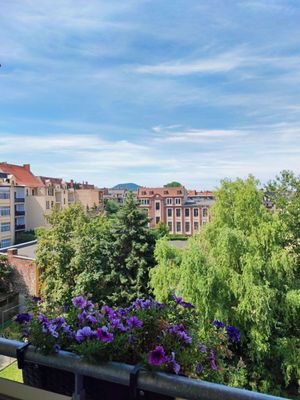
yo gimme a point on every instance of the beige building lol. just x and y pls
(40, 195)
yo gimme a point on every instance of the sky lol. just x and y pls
(150, 91)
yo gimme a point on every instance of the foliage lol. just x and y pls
(173, 184)
(240, 269)
(160, 336)
(178, 237)
(108, 258)
(160, 230)
(111, 207)
(5, 275)
(24, 237)
(131, 253)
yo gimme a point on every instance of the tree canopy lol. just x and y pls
(173, 184)
(239, 269)
(108, 259)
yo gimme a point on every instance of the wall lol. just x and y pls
(25, 273)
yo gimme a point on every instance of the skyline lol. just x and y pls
(150, 92)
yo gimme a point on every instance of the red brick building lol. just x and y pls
(184, 212)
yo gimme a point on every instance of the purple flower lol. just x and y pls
(84, 333)
(36, 298)
(79, 302)
(202, 348)
(182, 303)
(198, 368)
(106, 310)
(176, 328)
(115, 323)
(233, 334)
(42, 319)
(104, 335)
(90, 305)
(22, 318)
(86, 317)
(133, 322)
(212, 361)
(157, 356)
(184, 337)
(173, 364)
(50, 329)
(219, 324)
(59, 321)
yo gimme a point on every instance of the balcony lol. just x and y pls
(19, 200)
(122, 374)
(19, 213)
(20, 227)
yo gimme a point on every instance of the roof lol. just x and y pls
(54, 181)
(22, 174)
(162, 191)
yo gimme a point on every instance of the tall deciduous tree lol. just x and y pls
(240, 270)
(132, 253)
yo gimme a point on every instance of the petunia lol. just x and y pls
(84, 334)
(212, 361)
(104, 335)
(79, 302)
(219, 324)
(133, 322)
(157, 356)
(23, 318)
(233, 334)
(202, 348)
(173, 364)
(198, 368)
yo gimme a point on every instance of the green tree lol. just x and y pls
(173, 184)
(132, 253)
(111, 207)
(160, 230)
(239, 270)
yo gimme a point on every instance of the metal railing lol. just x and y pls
(157, 382)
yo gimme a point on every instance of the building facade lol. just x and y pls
(12, 209)
(184, 213)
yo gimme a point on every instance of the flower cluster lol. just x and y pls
(162, 336)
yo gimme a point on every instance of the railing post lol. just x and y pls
(79, 392)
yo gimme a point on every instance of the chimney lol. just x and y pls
(27, 167)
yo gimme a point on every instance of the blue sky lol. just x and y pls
(150, 91)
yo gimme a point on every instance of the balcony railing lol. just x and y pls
(19, 200)
(19, 213)
(19, 227)
(158, 382)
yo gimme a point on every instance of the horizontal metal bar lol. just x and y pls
(157, 382)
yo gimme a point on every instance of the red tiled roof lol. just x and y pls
(162, 191)
(55, 181)
(22, 174)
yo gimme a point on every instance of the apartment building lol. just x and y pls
(182, 211)
(12, 209)
(36, 196)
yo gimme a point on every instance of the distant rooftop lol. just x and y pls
(22, 173)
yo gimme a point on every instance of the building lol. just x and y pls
(36, 196)
(182, 211)
(12, 209)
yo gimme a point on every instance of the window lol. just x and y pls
(178, 212)
(187, 212)
(179, 191)
(5, 227)
(4, 193)
(169, 212)
(169, 201)
(196, 226)
(178, 226)
(166, 192)
(204, 212)
(64, 201)
(187, 226)
(151, 192)
(4, 211)
(52, 204)
(157, 220)
(196, 212)
(170, 226)
(5, 243)
(177, 201)
(144, 202)
(157, 205)
(144, 193)
(32, 192)
(47, 205)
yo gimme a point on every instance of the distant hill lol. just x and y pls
(128, 186)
